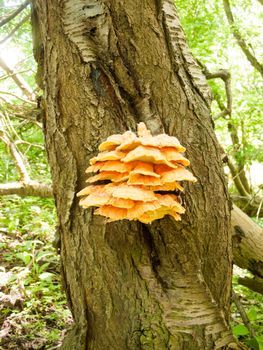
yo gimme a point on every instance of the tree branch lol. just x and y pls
(19, 24)
(243, 314)
(225, 75)
(25, 186)
(241, 42)
(20, 82)
(6, 76)
(31, 188)
(19, 142)
(250, 205)
(17, 157)
(28, 113)
(18, 97)
(15, 13)
(237, 181)
(238, 175)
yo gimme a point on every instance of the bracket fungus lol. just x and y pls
(140, 170)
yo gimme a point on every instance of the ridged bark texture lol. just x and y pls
(105, 66)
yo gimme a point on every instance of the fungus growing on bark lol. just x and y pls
(140, 170)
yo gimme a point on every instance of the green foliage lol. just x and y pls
(34, 313)
(33, 306)
(211, 41)
(253, 306)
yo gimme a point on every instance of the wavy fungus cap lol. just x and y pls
(140, 170)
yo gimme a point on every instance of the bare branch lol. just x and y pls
(26, 112)
(18, 97)
(243, 314)
(19, 142)
(31, 188)
(15, 13)
(225, 75)
(27, 117)
(237, 181)
(17, 157)
(20, 82)
(19, 24)
(6, 76)
(241, 42)
(238, 174)
(25, 186)
(23, 60)
(259, 209)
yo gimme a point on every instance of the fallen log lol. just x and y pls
(247, 238)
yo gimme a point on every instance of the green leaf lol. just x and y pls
(252, 314)
(46, 276)
(253, 344)
(260, 342)
(43, 255)
(24, 256)
(240, 330)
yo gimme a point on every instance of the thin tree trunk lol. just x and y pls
(106, 66)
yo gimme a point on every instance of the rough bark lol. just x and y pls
(107, 66)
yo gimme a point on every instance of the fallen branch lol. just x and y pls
(255, 284)
(31, 188)
(247, 238)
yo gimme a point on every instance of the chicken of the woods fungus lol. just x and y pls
(138, 172)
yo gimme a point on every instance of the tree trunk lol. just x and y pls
(106, 66)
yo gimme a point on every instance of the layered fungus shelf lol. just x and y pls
(141, 172)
